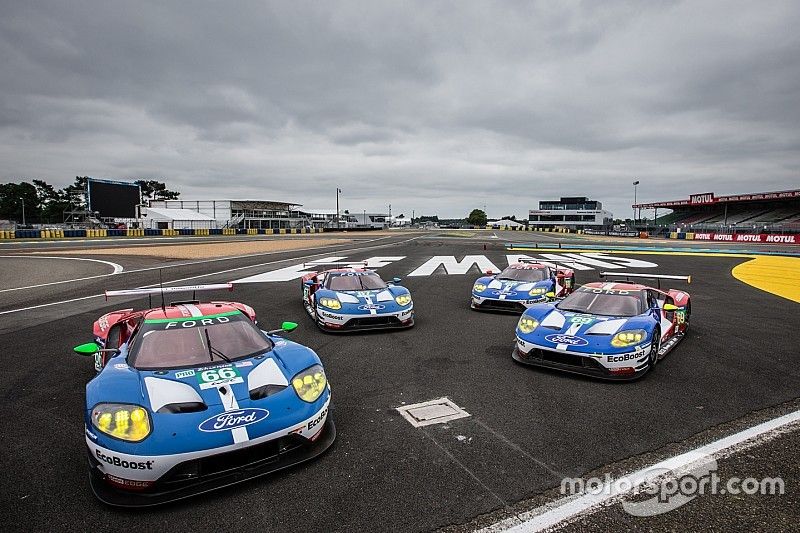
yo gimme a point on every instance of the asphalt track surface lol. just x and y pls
(528, 427)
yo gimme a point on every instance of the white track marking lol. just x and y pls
(174, 265)
(260, 265)
(117, 269)
(21, 309)
(298, 271)
(454, 267)
(570, 507)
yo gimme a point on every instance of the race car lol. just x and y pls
(190, 397)
(611, 330)
(520, 286)
(352, 298)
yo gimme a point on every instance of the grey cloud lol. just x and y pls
(433, 106)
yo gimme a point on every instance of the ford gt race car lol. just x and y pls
(520, 286)
(350, 299)
(616, 330)
(191, 397)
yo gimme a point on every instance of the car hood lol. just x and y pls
(555, 321)
(154, 389)
(510, 288)
(365, 297)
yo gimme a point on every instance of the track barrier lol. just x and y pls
(138, 232)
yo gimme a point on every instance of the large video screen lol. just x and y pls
(113, 199)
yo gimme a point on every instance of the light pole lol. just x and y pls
(22, 201)
(635, 183)
(338, 190)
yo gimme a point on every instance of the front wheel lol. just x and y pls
(655, 346)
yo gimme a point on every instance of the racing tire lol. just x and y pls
(688, 314)
(652, 357)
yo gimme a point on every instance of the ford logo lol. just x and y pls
(367, 307)
(566, 339)
(237, 418)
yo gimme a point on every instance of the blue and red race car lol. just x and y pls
(520, 286)
(611, 330)
(191, 397)
(352, 298)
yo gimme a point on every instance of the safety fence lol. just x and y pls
(93, 233)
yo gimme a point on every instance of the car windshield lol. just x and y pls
(183, 342)
(355, 281)
(598, 301)
(523, 274)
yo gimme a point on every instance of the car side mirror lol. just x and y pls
(396, 280)
(89, 348)
(489, 273)
(286, 327)
(551, 294)
(670, 307)
(308, 282)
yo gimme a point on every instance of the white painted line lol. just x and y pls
(174, 265)
(204, 275)
(117, 269)
(567, 508)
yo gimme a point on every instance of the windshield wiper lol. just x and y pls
(213, 351)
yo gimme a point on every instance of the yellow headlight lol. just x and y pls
(628, 338)
(527, 325)
(330, 303)
(122, 421)
(310, 383)
(536, 291)
(479, 287)
(403, 299)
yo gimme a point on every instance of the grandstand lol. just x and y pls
(743, 213)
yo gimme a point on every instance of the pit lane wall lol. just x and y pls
(764, 238)
(93, 233)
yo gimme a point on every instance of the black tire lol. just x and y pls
(652, 357)
(688, 313)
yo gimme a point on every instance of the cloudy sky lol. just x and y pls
(439, 107)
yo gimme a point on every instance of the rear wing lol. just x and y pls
(657, 277)
(323, 265)
(150, 291)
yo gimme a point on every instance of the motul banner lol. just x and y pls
(766, 238)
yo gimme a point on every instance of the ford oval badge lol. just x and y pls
(233, 419)
(566, 339)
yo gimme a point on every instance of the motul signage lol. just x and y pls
(703, 198)
(765, 238)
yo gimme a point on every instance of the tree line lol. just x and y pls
(44, 204)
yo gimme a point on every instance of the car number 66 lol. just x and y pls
(218, 373)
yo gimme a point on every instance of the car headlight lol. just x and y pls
(403, 299)
(479, 287)
(122, 421)
(628, 338)
(310, 383)
(330, 303)
(527, 325)
(537, 291)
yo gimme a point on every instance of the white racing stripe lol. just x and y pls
(573, 329)
(229, 402)
(567, 508)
